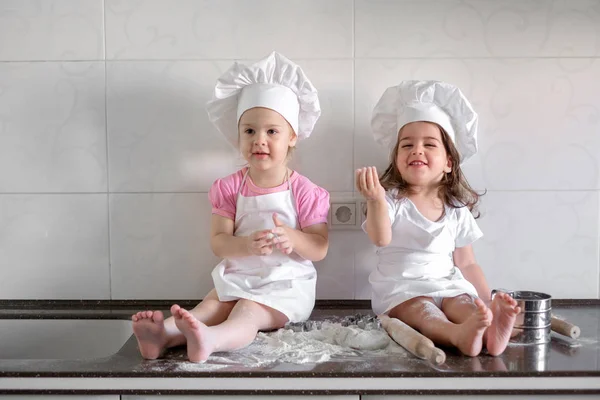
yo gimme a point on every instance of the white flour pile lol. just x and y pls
(332, 342)
(314, 346)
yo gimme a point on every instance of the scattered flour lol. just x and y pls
(333, 342)
(361, 339)
(579, 342)
(190, 366)
(319, 345)
(584, 341)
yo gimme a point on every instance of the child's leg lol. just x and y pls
(459, 308)
(239, 330)
(422, 314)
(154, 333)
(505, 312)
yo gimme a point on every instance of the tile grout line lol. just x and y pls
(309, 59)
(110, 296)
(354, 283)
(598, 247)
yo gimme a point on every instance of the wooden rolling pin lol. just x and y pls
(564, 328)
(411, 340)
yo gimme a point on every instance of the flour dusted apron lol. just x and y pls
(280, 281)
(418, 261)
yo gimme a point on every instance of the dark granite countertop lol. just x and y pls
(562, 358)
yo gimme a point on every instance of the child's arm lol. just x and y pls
(310, 243)
(225, 245)
(378, 225)
(464, 259)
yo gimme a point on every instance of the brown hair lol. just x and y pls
(454, 190)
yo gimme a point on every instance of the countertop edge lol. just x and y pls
(289, 385)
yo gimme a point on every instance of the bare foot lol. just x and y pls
(505, 310)
(200, 343)
(469, 335)
(149, 330)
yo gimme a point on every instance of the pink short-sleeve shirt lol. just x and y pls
(312, 201)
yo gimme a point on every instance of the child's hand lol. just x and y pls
(282, 238)
(260, 243)
(367, 183)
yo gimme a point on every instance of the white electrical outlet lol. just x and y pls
(345, 213)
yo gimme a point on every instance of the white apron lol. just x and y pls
(418, 261)
(284, 282)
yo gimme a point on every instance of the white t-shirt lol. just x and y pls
(418, 261)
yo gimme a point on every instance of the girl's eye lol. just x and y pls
(406, 146)
(249, 131)
(430, 145)
(271, 131)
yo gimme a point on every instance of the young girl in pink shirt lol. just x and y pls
(269, 223)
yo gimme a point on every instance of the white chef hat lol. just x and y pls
(274, 82)
(431, 101)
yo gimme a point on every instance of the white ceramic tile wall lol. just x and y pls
(52, 127)
(159, 137)
(476, 28)
(106, 153)
(51, 30)
(54, 246)
(217, 29)
(160, 246)
(541, 240)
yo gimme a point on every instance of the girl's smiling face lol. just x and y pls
(422, 159)
(265, 138)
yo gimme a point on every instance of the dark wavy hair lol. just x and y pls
(454, 189)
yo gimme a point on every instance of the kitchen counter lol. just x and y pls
(562, 366)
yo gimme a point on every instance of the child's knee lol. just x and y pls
(265, 317)
(463, 299)
(415, 306)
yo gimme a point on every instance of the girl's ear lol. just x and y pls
(448, 167)
(293, 139)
